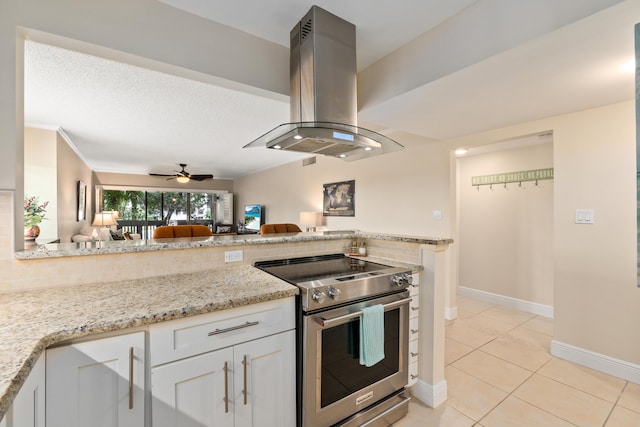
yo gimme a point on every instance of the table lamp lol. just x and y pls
(104, 219)
(310, 220)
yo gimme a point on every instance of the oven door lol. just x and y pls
(335, 385)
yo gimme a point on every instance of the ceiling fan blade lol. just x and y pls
(200, 177)
(161, 174)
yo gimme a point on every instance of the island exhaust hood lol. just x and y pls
(323, 93)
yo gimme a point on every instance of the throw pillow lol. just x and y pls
(117, 235)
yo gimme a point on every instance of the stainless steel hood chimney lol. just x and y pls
(323, 93)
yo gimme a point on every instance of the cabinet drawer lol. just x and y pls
(414, 306)
(414, 289)
(413, 373)
(413, 351)
(414, 326)
(416, 278)
(177, 339)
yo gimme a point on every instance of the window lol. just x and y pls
(142, 211)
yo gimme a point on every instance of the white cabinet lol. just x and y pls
(192, 392)
(97, 383)
(250, 384)
(27, 409)
(215, 370)
(269, 381)
(414, 329)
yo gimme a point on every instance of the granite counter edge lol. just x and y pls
(10, 391)
(136, 246)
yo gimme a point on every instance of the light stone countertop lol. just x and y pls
(31, 321)
(130, 246)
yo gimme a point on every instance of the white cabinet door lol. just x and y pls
(27, 409)
(191, 392)
(267, 367)
(194, 392)
(97, 383)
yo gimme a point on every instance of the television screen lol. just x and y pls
(253, 217)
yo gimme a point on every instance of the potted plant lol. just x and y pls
(33, 215)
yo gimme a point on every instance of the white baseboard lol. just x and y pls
(450, 313)
(431, 395)
(600, 362)
(514, 303)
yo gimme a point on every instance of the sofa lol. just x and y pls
(175, 231)
(279, 228)
(92, 234)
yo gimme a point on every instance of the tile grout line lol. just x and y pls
(537, 371)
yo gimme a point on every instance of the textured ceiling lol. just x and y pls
(123, 118)
(130, 119)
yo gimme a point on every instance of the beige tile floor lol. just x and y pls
(500, 373)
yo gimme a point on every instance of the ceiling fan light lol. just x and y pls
(183, 179)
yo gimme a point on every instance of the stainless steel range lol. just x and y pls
(334, 389)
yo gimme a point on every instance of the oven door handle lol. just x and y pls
(327, 323)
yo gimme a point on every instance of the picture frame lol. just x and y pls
(339, 198)
(82, 201)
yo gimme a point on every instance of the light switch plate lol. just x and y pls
(584, 216)
(437, 215)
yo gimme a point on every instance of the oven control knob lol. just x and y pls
(319, 296)
(402, 279)
(334, 293)
(407, 278)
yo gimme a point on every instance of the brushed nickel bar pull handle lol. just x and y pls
(233, 328)
(328, 322)
(413, 354)
(131, 377)
(414, 331)
(226, 387)
(413, 377)
(244, 367)
(415, 308)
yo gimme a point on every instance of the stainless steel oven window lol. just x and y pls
(341, 373)
(335, 384)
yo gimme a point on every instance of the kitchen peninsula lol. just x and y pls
(121, 286)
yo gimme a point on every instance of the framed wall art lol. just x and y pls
(82, 201)
(339, 198)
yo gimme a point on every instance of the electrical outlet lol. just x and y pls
(232, 256)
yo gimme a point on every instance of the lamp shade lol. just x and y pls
(104, 219)
(310, 219)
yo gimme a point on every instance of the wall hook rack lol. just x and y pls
(512, 177)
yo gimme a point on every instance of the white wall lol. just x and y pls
(505, 237)
(596, 300)
(394, 193)
(71, 169)
(136, 180)
(52, 171)
(40, 172)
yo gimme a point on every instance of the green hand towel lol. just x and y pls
(372, 335)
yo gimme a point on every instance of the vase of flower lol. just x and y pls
(34, 213)
(31, 233)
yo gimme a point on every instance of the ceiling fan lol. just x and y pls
(183, 176)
